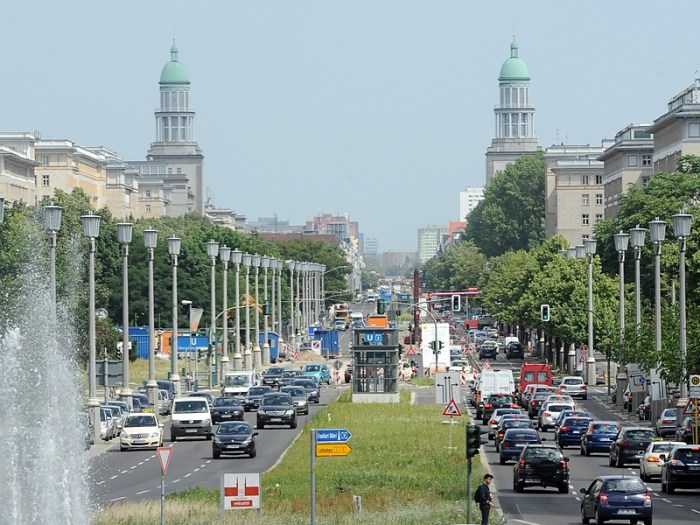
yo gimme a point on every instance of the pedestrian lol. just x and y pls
(483, 497)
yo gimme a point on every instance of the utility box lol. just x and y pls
(375, 372)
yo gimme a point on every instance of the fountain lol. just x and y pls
(43, 463)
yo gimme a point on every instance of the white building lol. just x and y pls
(468, 199)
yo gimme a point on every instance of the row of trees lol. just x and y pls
(507, 257)
(193, 270)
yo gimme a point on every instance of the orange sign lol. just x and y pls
(327, 450)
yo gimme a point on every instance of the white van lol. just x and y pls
(189, 417)
(238, 383)
(493, 382)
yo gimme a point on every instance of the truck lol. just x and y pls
(330, 346)
(273, 339)
(342, 312)
(377, 321)
(493, 382)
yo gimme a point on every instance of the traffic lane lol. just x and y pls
(135, 475)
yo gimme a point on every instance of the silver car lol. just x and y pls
(573, 386)
(301, 401)
(549, 413)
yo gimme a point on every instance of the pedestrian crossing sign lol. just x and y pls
(452, 409)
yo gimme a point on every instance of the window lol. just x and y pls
(584, 219)
(179, 170)
(584, 180)
(45, 160)
(584, 199)
(44, 180)
(148, 208)
(599, 179)
(170, 171)
(148, 194)
(694, 130)
(599, 199)
(598, 217)
(646, 160)
(632, 161)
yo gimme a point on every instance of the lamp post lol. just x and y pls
(278, 265)
(188, 382)
(236, 257)
(213, 253)
(590, 245)
(52, 224)
(273, 293)
(621, 242)
(150, 240)
(681, 229)
(174, 244)
(257, 361)
(225, 256)
(322, 290)
(292, 333)
(657, 232)
(124, 235)
(2, 209)
(91, 230)
(265, 264)
(247, 356)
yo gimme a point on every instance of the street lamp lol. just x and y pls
(265, 264)
(150, 240)
(225, 256)
(124, 234)
(91, 230)
(174, 244)
(657, 232)
(278, 265)
(213, 253)
(236, 257)
(622, 240)
(52, 223)
(590, 247)
(292, 337)
(2, 210)
(247, 356)
(257, 362)
(681, 229)
(188, 381)
(273, 293)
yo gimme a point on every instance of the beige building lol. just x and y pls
(574, 191)
(628, 162)
(17, 178)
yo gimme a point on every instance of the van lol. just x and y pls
(493, 382)
(535, 373)
(238, 383)
(190, 417)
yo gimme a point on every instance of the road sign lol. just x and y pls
(486, 365)
(642, 379)
(694, 390)
(240, 491)
(164, 454)
(690, 407)
(451, 409)
(316, 347)
(333, 435)
(332, 450)
(636, 383)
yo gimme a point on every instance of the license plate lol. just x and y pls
(575, 431)
(191, 430)
(694, 467)
(532, 480)
(224, 416)
(275, 419)
(627, 511)
(605, 439)
(139, 442)
(520, 444)
(232, 446)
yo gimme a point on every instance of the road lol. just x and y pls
(135, 475)
(548, 507)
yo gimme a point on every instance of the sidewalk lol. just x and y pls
(623, 415)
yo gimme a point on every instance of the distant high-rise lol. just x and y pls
(468, 199)
(429, 241)
(515, 117)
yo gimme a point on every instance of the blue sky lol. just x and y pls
(382, 109)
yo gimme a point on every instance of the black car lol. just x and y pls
(205, 395)
(513, 442)
(311, 389)
(277, 409)
(507, 423)
(495, 401)
(235, 437)
(535, 403)
(541, 465)
(273, 376)
(681, 469)
(488, 349)
(629, 445)
(685, 432)
(288, 377)
(515, 350)
(254, 397)
(226, 409)
(571, 431)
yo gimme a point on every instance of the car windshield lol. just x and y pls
(187, 407)
(312, 368)
(277, 399)
(258, 391)
(640, 435)
(140, 421)
(290, 373)
(306, 383)
(662, 447)
(544, 453)
(294, 391)
(501, 399)
(627, 485)
(233, 428)
(572, 381)
(540, 396)
(226, 402)
(557, 408)
(515, 434)
(607, 428)
(686, 454)
(576, 422)
(275, 370)
(669, 413)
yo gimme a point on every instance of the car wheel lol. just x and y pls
(261, 425)
(216, 454)
(582, 451)
(173, 438)
(501, 460)
(598, 519)
(564, 488)
(619, 463)
(253, 453)
(561, 445)
(584, 397)
(208, 436)
(584, 519)
(670, 489)
(643, 475)
(123, 449)
(293, 424)
(519, 487)
(647, 521)
(610, 460)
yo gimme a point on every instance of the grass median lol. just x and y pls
(400, 465)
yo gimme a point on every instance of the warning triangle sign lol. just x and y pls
(452, 409)
(164, 454)
(486, 364)
(689, 409)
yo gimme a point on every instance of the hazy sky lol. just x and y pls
(382, 109)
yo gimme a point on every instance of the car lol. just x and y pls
(571, 413)
(651, 462)
(541, 465)
(117, 413)
(234, 437)
(254, 397)
(681, 468)
(319, 372)
(629, 445)
(340, 325)
(535, 403)
(311, 389)
(495, 401)
(496, 418)
(273, 376)
(644, 409)
(514, 439)
(573, 386)
(616, 498)
(108, 424)
(141, 431)
(686, 430)
(288, 376)
(550, 412)
(205, 395)
(190, 417)
(599, 436)
(488, 350)
(522, 395)
(277, 408)
(666, 423)
(515, 350)
(87, 428)
(301, 401)
(226, 409)
(143, 401)
(571, 431)
(510, 421)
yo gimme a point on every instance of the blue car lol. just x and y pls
(599, 436)
(616, 498)
(571, 413)
(318, 372)
(571, 430)
(513, 442)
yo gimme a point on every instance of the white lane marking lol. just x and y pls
(188, 475)
(99, 483)
(666, 500)
(525, 522)
(655, 494)
(175, 481)
(675, 505)
(577, 498)
(113, 477)
(132, 468)
(124, 472)
(117, 499)
(695, 511)
(142, 492)
(140, 463)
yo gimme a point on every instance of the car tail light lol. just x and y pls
(493, 422)
(532, 403)
(647, 499)
(501, 434)
(687, 430)
(547, 414)
(584, 387)
(653, 459)
(564, 465)
(562, 387)
(521, 463)
(624, 442)
(487, 405)
(603, 498)
(666, 421)
(505, 444)
(563, 429)
(514, 405)
(677, 463)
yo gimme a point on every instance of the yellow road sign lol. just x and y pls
(332, 449)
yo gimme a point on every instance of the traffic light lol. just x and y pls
(381, 307)
(544, 312)
(456, 303)
(473, 440)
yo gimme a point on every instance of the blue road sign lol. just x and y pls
(333, 435)
(642, 380)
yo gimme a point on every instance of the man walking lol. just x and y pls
(483, 497)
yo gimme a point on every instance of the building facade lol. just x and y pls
(429, 241)
(17, 164)
(468, 199)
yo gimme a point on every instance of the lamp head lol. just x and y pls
(622, 240)
(637, 235)
(91, 226)
(150, 239)
(247, 260)
(125, 232)
(212, 248)
(52, 218)
(265, 262)
(580, 251)
(657, 230)
(681, 224)
(236, 256)
(224, 253)
(591, 244)
(174, 244)
(256, 261)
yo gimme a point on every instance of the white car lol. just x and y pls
(549, 413)
(496, 419)
(573, 386)
(141, 430)
(650, 463)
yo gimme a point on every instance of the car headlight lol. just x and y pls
(217, 441)
(155, 434)
(246, 441)
(261, 412)
(124, 435)
(206, 421)
(314, 393)
(288, 412)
